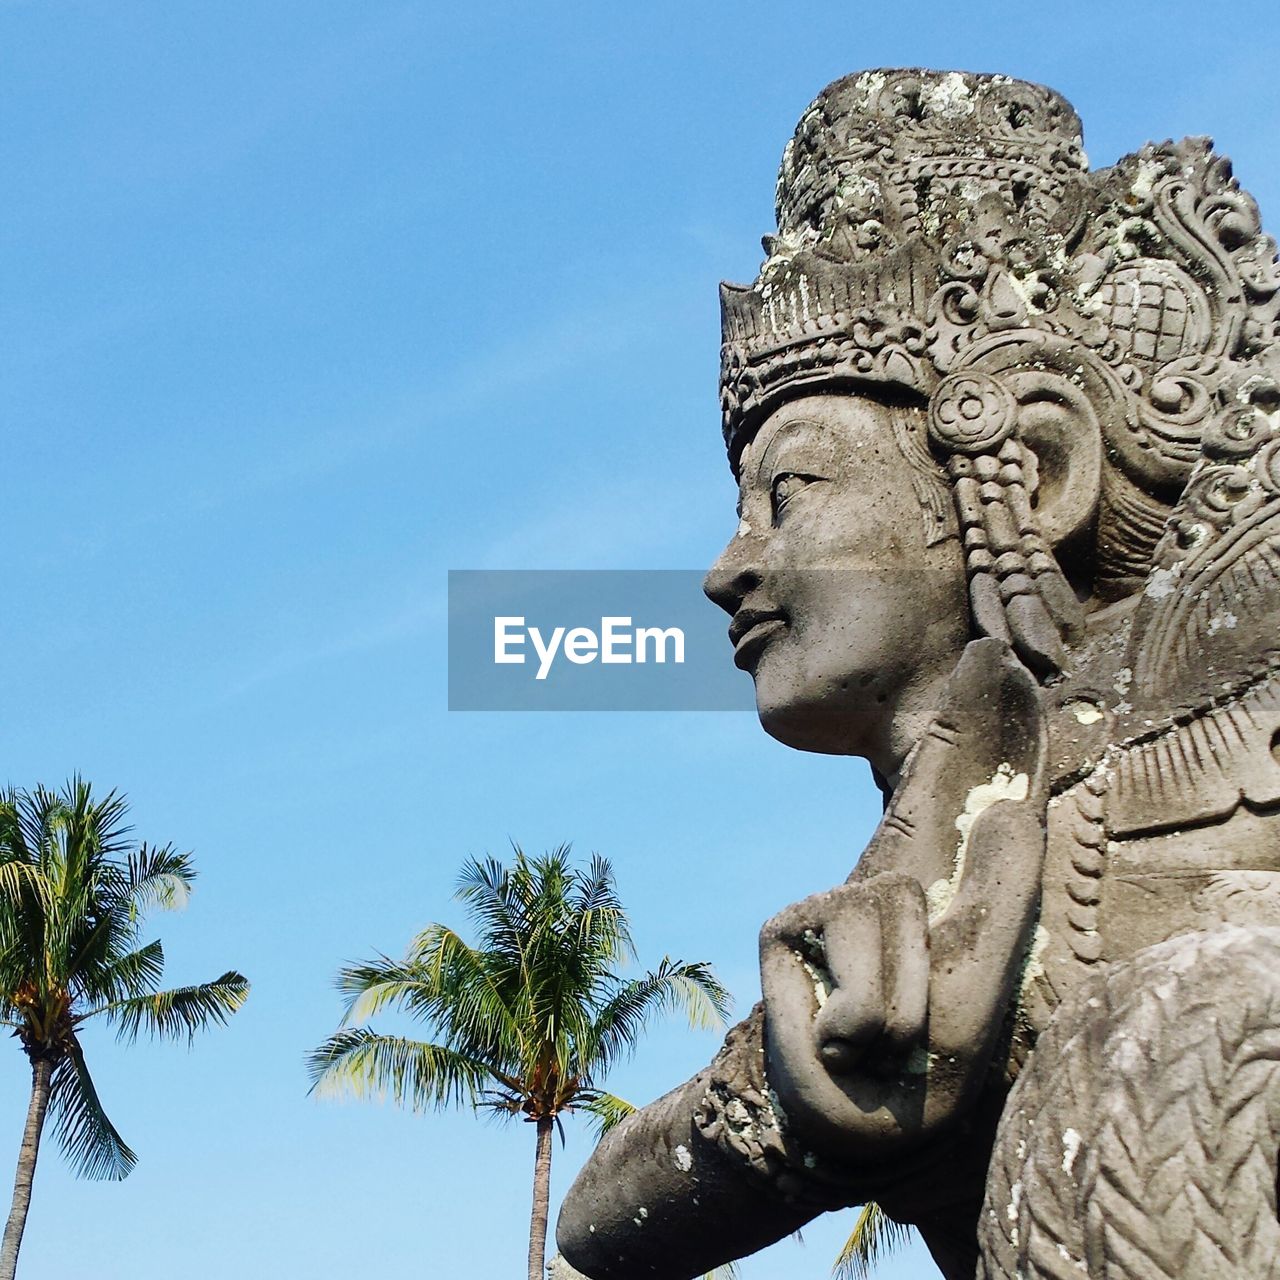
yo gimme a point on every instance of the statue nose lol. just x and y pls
(731, 579)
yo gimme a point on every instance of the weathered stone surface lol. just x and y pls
(559, 1269)
(1007, 433)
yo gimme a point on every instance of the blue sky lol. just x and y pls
(305, 304)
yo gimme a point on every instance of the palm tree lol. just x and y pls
(73, 893)
(528, 1021)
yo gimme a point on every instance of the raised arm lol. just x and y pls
(883, 1002)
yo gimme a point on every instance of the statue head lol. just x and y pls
(975, 391)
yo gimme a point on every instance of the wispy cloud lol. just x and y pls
(422, 616)
(574, 335)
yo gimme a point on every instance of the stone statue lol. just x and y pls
(1007, 434)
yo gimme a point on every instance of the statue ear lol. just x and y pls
(1057, 422)
(1019, 425)
(1059, 393)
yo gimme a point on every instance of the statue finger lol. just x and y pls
(852, 1016)
(904, 930)
(876, 952)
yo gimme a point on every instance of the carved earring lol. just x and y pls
(1016, 590)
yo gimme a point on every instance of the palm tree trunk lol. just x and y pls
(541, 1199)
(41, 1075)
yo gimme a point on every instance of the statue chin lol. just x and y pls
(823, 722)
(877, 715)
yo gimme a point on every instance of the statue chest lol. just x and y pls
(1108, 894)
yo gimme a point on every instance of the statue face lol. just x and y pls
(847, 621)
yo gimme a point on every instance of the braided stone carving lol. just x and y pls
(1140, 1143)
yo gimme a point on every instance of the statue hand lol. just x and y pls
(884, 998)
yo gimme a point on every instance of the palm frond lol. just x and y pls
(601, 920)
(376, 984)
(134, 974)
(673, 986)
(87, 1137)
(180, 1013)
(13, 841)
(95, 938)
(875, 1235)
(360, 1063)
(36, 814)
(87, 835)
(451, 987)
(156, 879)
(98, 824)
(26, 894)
(606, 1110)
(490, 892)
(20, 883)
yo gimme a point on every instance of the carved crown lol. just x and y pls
(922, 213)
(895, 183)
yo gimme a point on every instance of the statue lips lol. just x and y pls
(750, 631)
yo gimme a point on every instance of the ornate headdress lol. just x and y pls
(940, 233)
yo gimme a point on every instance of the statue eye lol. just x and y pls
(786, 484)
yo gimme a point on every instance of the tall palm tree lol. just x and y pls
(73, 893)
(528, 1021)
